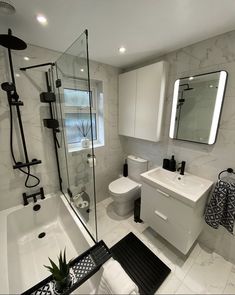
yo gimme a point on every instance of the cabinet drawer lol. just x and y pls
(177, 212)
(181, 238)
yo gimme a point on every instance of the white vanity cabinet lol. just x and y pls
(176, 221)
(141, 101)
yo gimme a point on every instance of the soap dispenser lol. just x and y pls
(172, 164)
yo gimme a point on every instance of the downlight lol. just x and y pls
(7, 8)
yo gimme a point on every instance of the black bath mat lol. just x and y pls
(144, 268)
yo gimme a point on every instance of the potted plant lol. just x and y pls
(60, 273)
(84, 129)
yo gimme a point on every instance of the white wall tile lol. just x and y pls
(214, 54)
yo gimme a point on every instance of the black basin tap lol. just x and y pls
(182, 167)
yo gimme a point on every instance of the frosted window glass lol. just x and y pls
(76, 98)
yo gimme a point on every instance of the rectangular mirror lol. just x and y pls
(196, 108)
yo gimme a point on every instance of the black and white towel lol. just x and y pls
(221, 208)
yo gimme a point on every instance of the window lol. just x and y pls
(77, 116)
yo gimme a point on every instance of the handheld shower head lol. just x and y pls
(10, 90)
(8, 87)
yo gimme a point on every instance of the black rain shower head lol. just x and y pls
(11, 42)
(188, 87)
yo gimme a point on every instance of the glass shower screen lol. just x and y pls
(79, 130)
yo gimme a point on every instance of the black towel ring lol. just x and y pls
(229, 170)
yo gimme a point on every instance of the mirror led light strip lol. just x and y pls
(174, 108)
(217, 109)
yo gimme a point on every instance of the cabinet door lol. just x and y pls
(127, 103)
(149, 101)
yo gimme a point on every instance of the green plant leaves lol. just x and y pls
(61, 271)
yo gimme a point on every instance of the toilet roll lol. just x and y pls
(90, 162)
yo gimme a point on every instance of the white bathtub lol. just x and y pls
(23, 254)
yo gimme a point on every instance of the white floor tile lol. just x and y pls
(170, 285)
(184, 290)
(209, 274)
(230, 285)
(199, 272)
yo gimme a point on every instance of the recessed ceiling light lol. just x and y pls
(191, 78)
(7, 8)
(26, 58)
(17, 75)
(42, 19)
(122, 49)
(82, 70)
(211, 86)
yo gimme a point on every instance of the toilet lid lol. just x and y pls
(123, 185)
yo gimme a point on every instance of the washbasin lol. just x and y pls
(188, 186)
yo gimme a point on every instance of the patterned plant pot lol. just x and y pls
(62, 286)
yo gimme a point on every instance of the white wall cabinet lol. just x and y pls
(127, 101)
(141, 101)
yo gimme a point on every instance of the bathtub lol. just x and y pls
(23, 253)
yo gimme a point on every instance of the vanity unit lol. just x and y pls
(173, 205)
(141, 101)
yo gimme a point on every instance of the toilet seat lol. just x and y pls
(122, 186)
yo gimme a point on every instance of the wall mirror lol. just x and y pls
(196, 108)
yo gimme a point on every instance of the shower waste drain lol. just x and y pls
(41, 235)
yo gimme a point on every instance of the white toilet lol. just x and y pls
(125, 190)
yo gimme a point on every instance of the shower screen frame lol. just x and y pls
(65, 154)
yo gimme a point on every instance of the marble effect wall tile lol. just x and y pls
(206, 161)
(39, 139)
(109, 158)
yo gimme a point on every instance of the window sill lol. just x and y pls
(77, 147)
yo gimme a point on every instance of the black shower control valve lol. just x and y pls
(27, 164)
(58, 83)
(47, 97)
(16, 103)
(51, 123)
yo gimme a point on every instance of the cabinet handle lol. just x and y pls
(162, 216)
(163, 193)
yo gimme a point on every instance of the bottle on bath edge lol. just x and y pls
(125, 169)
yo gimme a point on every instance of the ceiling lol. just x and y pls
(147, 28)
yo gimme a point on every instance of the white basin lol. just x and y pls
(189, 188)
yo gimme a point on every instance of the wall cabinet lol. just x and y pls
(141, 101)
(174, 220)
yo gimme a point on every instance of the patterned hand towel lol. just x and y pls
(221, 208)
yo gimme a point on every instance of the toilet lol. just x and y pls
(125, 190)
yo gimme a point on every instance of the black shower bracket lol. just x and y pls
(37, 66)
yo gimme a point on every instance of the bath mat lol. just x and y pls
(141, 264)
